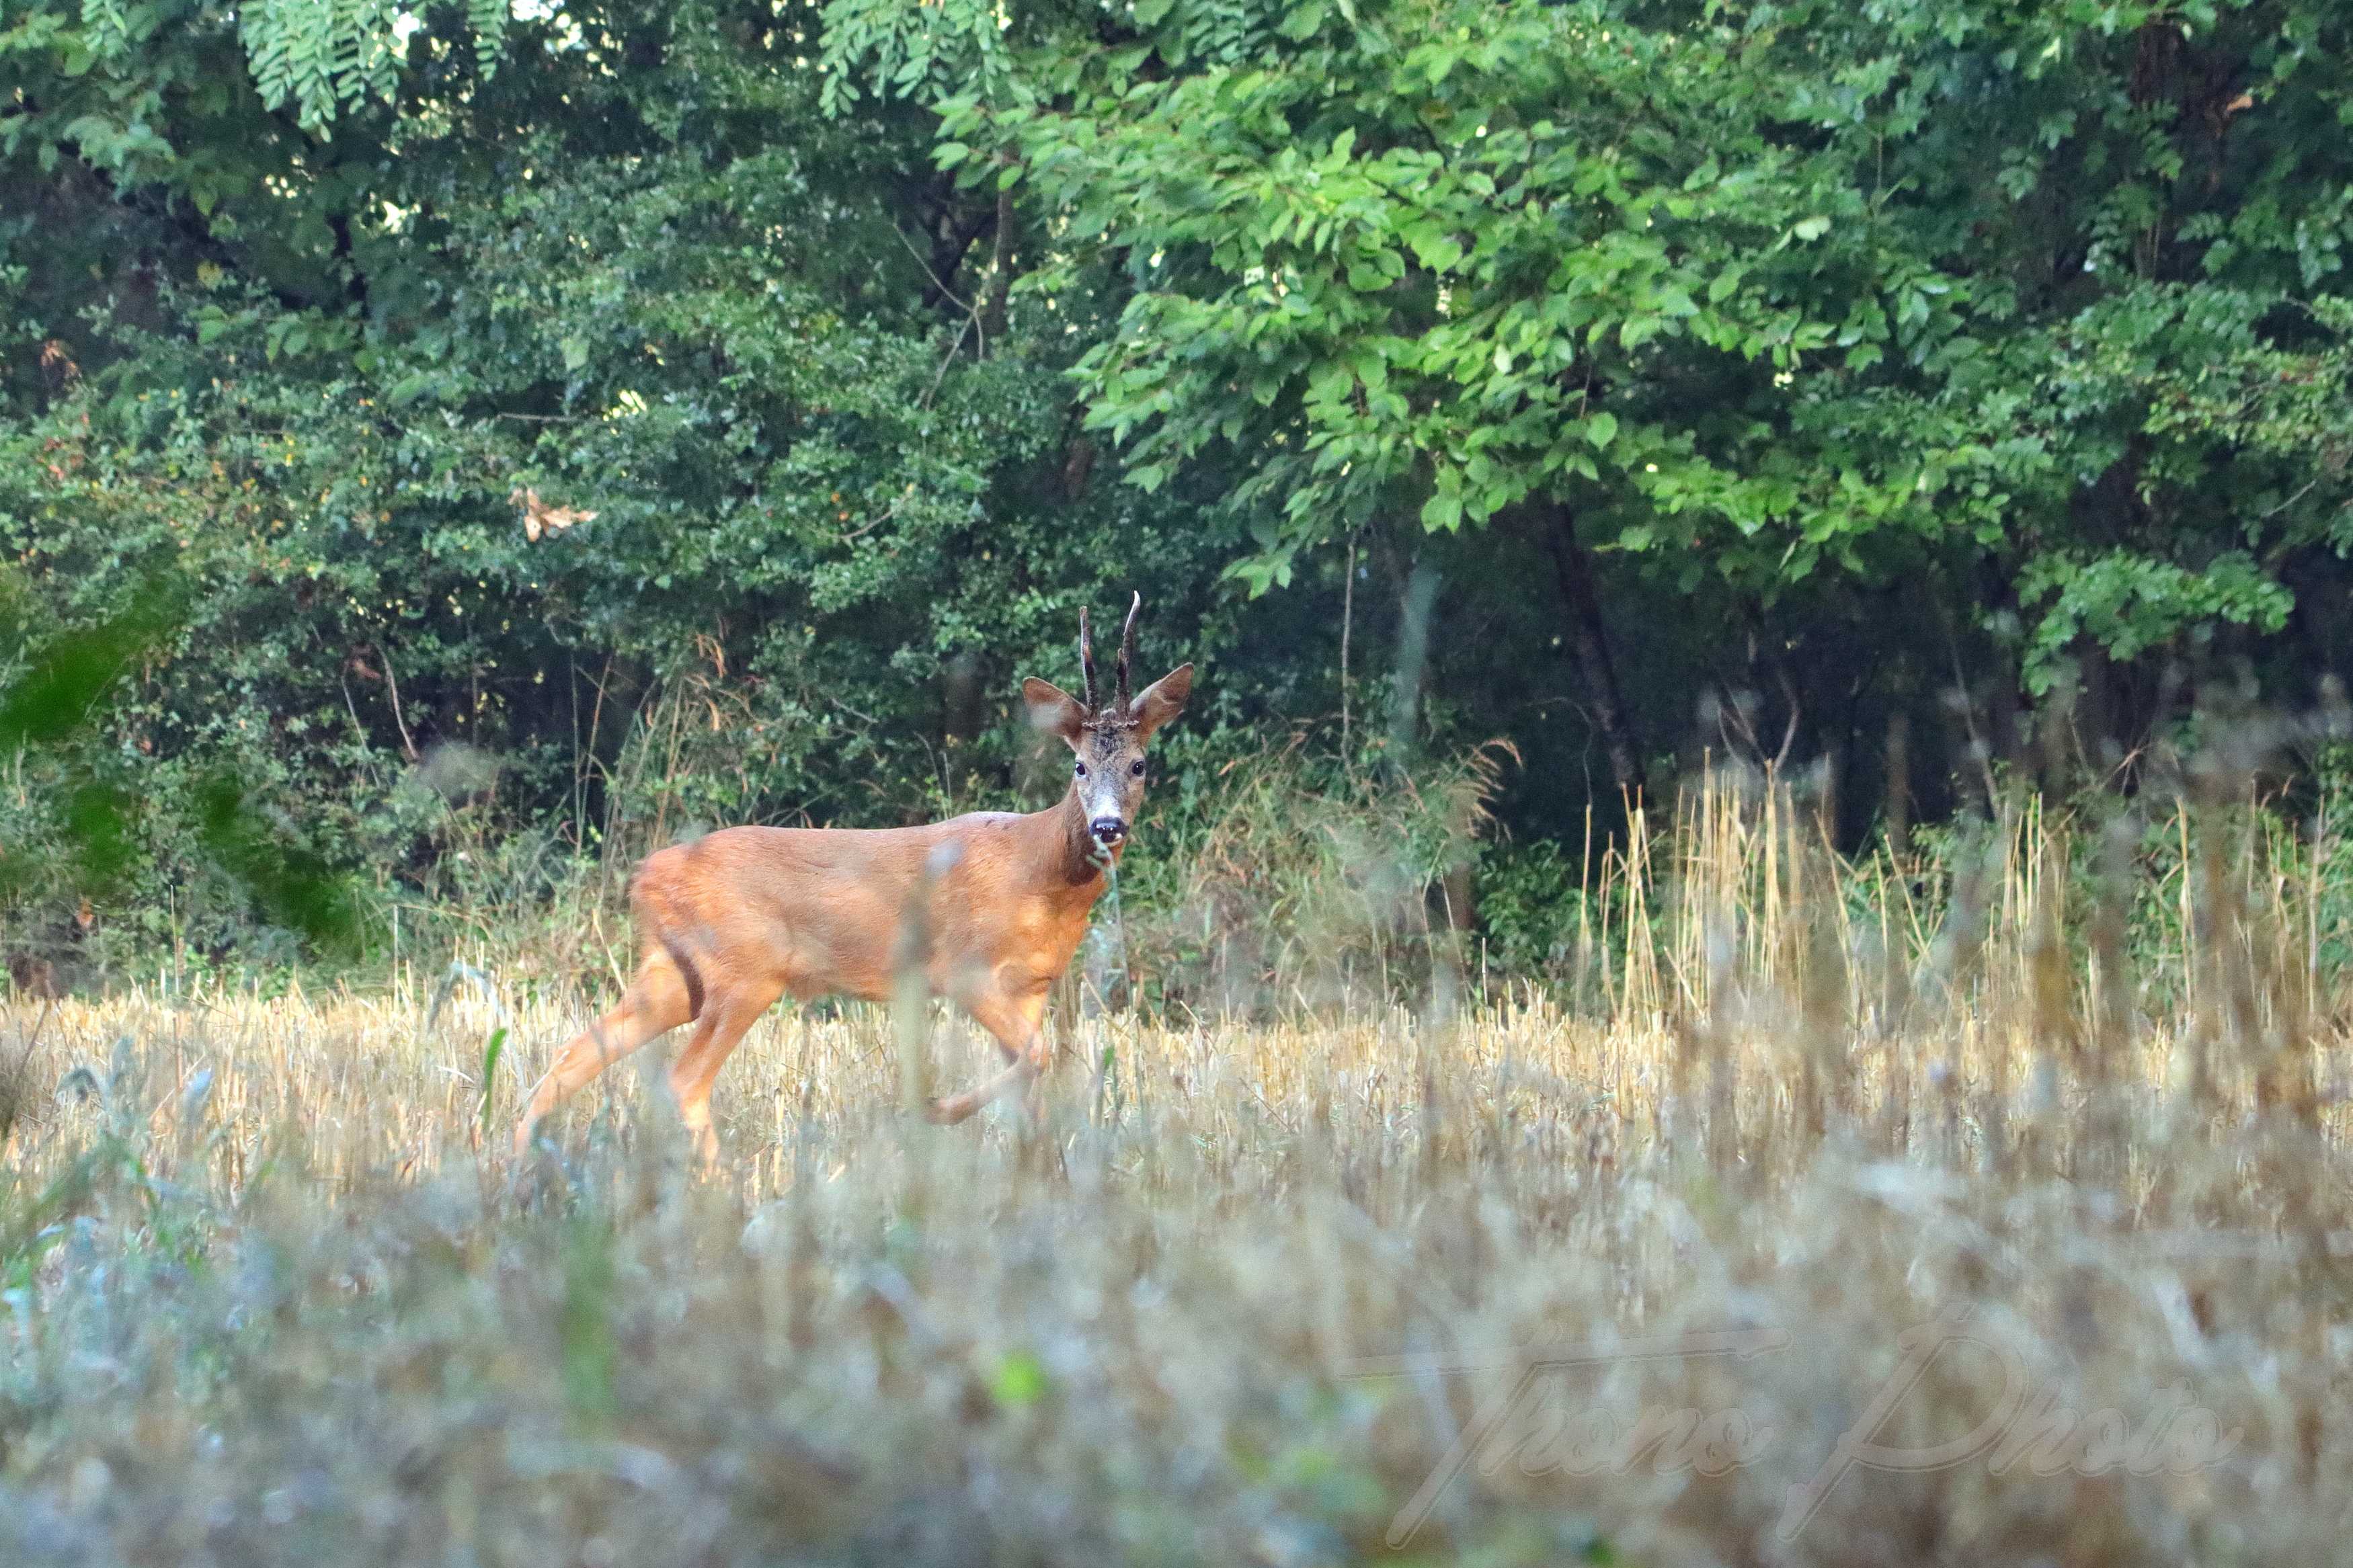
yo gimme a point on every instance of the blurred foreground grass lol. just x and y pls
(1600, 1274)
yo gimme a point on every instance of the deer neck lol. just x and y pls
(1074, 859)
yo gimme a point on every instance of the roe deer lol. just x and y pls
(739, 918)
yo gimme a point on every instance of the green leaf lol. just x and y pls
(1435, 250)
(1302, 21)
(1601, 428)
(1020, 1381)
(489, 1073)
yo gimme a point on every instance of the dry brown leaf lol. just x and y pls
(58, 361)
(539, 518)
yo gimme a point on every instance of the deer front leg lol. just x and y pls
(1014, 1019)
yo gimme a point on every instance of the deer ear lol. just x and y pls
(1053, 710)
(1161, 702)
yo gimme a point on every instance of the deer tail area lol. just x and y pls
(686, 971)
(654, 907)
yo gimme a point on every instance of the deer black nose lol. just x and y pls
(1107, 829)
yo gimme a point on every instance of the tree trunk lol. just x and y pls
(1898, 819)
(1589, 647)
(1000, 278)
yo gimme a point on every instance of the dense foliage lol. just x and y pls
(618, 417)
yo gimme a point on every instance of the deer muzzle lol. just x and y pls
(1108, 830)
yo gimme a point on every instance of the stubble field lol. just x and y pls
(1842, 1216)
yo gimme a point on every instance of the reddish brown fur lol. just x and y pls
(736, 920)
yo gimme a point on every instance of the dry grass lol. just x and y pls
(275, 1297)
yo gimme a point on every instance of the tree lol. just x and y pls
(335, 373)
(1782, 305)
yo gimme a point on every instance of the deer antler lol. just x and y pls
(1127, 652)
(1087, 662)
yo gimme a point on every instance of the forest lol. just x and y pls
(428, 429)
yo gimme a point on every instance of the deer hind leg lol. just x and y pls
(728, 1016)
(659, 1000)
(1015, 1019)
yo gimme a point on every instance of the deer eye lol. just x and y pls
(1136, 768)
(1082, 770)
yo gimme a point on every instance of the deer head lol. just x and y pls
(1108, 740)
